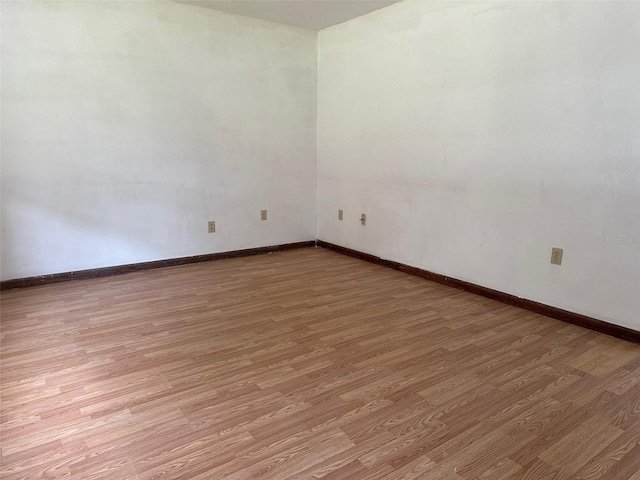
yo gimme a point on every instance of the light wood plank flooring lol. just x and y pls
(305, 364)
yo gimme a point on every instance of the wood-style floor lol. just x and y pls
(305, 364)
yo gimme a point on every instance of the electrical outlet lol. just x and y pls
(363, 218)
(263, 215)
(212, 226)
(340, 214)
(556, 256)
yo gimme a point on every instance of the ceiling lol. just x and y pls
(311, 14)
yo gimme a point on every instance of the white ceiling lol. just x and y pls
(311, 14)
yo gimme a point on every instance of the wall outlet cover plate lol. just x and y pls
(556, 256)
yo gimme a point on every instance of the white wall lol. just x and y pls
(474, 135)
(477, 135)
(126, 126)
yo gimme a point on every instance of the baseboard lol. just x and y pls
(553, 312)
(136, 267)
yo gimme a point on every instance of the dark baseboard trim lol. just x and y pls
(136, 267)
(553, 312)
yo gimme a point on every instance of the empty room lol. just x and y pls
(320, 239)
